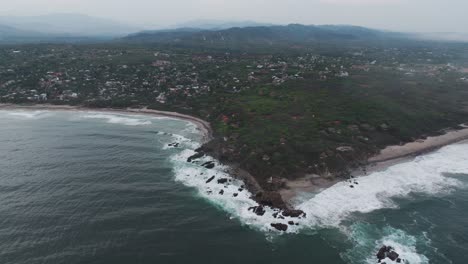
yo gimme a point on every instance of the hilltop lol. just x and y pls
(262, 35)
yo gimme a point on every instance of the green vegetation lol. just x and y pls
(278, 111)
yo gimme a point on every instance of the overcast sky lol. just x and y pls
(402, 15)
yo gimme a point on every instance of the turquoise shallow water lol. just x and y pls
(104, 188)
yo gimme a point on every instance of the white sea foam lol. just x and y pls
(425, 174)
(128, 120)
(181, 141)
(195, 175)
(27, 114)
(191, 128)
(404, 245)
(368, 239)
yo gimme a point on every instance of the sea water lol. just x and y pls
(98, 187)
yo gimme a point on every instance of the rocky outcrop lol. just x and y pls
(279, 226)
(393, 255)
(258, 210)
(209, 164)
(210, 179)
(222, 180)
(388, 252)
(293, 213)
(195, 156)
(272, 199)
(382, 253)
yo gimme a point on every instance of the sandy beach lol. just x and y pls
(387, 157)
(421, 146)
(203, 126)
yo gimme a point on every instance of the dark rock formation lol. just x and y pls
(258, 210)
(209, 164)
(210, 179)
(392, 255)
(272, 199)
(280, 227)
(293, 213)
(195, 156)
(388, 252)
(221, 192)
(382, 252)
(222, 180)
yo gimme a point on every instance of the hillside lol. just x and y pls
(69, 24)
(261, 35)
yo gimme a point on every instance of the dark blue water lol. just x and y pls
(102, 188)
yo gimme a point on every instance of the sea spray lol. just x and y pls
(129, 120)
(327, 209)
(368, 239)
(425, 174)
(39, 114)
(228, 193)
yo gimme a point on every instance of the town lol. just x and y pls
(276, 113)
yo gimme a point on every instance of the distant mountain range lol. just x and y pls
(262, 35)
(70, 28)
(208, 24)
(68, 24)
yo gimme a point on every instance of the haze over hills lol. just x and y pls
(293, 33)
(69, 28)
(69, 24)
(210, 24)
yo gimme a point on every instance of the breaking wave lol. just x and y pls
(128, 120)
(368, 240)
(425, 174)
(27, 114)
(329, 208)
(230, 196)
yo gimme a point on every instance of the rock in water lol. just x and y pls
(258, 210)
(392, 255)
(273, 199)
(210, 179)
(388, 252)
(280, 227)
(208, 165)
(222, 181)
(293, 213)
(221, 192)
(195, 156)
(382, 253)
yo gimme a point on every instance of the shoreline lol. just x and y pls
(389, 156)
(203, 126)
(420, 146)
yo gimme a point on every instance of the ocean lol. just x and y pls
(97, 187)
